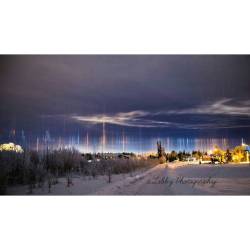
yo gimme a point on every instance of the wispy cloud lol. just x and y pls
(147, 119)
(135, 118)
(221, 107)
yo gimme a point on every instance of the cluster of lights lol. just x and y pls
(237, 155)
(11, 147)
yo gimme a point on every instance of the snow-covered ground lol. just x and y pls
(164, 179)
(82, 185)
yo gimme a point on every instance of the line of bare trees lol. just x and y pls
(43, 169)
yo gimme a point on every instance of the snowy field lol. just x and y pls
(164, 179)
(82, 185)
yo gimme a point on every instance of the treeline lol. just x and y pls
(174, 156)
(43, 169)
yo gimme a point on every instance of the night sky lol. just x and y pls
(172, 95)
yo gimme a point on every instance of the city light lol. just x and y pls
(11, 147)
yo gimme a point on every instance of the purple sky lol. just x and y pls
(169, 94)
